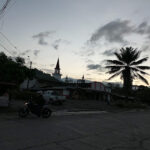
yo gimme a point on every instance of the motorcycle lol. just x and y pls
(28, 107)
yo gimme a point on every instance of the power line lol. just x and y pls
(2, 13)
(4, 7)
(8, 7)
(6, 49)
(2, 24)
(9, 42)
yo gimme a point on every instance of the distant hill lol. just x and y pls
(40, 75)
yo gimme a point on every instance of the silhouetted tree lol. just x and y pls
(20, 60)
(128, 67)
(12, 71)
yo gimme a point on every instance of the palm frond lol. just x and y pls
(116, 74)
(136, 55)
(115, 62)
(143, 79)
(129, 54)
(143, 67)
(118, 56)
(118, 66)
(139, 61)
(113, 69)
(134, 74)
(137, 70)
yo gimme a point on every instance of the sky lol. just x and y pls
(82, 33)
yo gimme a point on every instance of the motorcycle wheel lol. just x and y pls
(46, 113)
(23, 112)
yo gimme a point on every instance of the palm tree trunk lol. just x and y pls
(127, 80)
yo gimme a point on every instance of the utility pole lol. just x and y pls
(29, 74)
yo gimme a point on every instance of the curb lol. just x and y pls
(60, 113)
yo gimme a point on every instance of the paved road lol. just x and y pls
(105, 131)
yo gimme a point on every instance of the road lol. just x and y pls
(99, 131)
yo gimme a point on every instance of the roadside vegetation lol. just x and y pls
(128, 67)
(13, 70)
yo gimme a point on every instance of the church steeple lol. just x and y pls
(57, 65)
(83, 77)
(56, 73)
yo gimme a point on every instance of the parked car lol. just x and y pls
(53, 97)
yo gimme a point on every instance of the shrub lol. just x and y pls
(130, 105)
(143, 95)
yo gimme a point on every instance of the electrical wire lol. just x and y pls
(4, 7)
(6, 49)
(10, 42)
(2, 24)
(8, 7)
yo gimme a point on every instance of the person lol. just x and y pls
(40, 103)
(40, 100)
(37, 104)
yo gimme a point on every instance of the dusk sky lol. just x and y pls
(82, 33)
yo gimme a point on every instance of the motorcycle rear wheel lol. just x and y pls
(46, 113)
(23, 112)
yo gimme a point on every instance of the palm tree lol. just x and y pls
(128, 66)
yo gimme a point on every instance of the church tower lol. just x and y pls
(56, 73)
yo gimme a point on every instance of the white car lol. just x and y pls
(53, 97)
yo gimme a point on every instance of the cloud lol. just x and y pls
(85, 52)
(109, 52)
(116, 31)
(89, 61)
(141, 28)
(36, 52)
(90, 53)
(14, 52)
(96, 67)
(25, 52)
(52, 65)
(56, 44)
(42, 36)
(113, 31)
(144, 29)
(88, 74)
(145, 47)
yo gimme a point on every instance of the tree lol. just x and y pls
(13, 71)
(3, 57)
(128, 67)
(20, 60)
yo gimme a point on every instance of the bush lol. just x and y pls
(143, 95)
(130, 105)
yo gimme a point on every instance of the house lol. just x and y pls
(5, 93)
(94, 90)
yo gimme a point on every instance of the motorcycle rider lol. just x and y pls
(38, 104)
